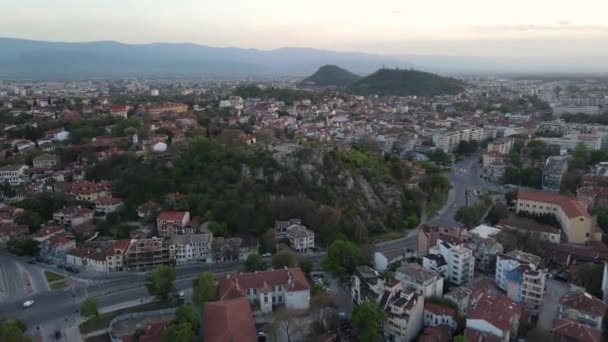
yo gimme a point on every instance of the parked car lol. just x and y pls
(28, 303)
(267, 255)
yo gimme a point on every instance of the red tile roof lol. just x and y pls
(439, 309)
(171, 215)
(584, 302)
(59, 240)
(472, 335)
(107, 200)
(45, 231)
(228, 320)
(570, 206)
(440, 333)
(574, 331)
(231, 285)
(497, 310)
(122, 245)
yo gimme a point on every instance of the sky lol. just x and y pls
(514, 28)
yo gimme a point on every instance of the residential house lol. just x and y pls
(439, 315)
(300, 238)
(57, 244)
(191, 248)
(99, 256)
(404, 313)
(147, 209)
(427, 237)
(14, 175)
(466, 296)
(71, 217)
(495, 315)
(440, 333)
(518, 274)
(88, 191)
(107, 204)
(384, 259)
(572, 215)
(46, 232)
(267, 289)
(233, 249)
(58, 134)
(583, 308)
(172, 222)
(426, 282)
(229, 320)
(484, 251)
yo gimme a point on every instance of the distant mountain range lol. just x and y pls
(23, 59)
(330, 75)
(406, 82)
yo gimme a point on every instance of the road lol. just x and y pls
(53, 309)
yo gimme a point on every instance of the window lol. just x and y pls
(265, 299)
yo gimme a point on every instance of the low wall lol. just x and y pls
(143, 314)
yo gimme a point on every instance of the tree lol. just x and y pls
(159, 282)
(306, 265)
(30, 219)
(319, 304)
(368, 319)
(181, 332)
(343, 257)
(24, 247)
(287, 321)
(254, 263)
(285, 258)
(459, 338)
(187, 314)
(13, 330)
(88, 308)
(204, 288)
(498, 212)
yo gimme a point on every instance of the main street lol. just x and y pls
(53, 308)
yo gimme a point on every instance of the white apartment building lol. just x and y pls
(448, 141)
(426, 282)
(501, 145)
(458, 258)
(13, 174)
(517, 273)
(191, 248)
(300, 238)
(592, 142)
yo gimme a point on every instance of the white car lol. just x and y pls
(28, 303)
(266, 255)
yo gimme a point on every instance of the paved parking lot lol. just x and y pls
(555, 290)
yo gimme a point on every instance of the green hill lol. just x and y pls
(398, 82)
(331, 75)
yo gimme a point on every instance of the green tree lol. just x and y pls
(88, 308)
(178, 333)
(30, 219)
(285, 258)
(306, 265)
(187, 314)
(343, 257)
(159, 282)
(13, 331)
(498, 212)
(255, 262)
(459, 338)
(204, 288)
(368, 320)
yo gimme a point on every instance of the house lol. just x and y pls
(99, 256)
(147, 209)
(440, 333)
(384, 259)
(582, 308)
(266, 289)
(573, 331)
(14, 175)
(172, 222)
(71, 217)
(495, 315)
(119, 110)
(233, 249)
(58, 134)
(468, 295)
(58, 244)
(484, 252)
(45, 161)
(88, 191)
(229, 320)
(403, 310)
(191, 248)
(439, 315)
(46, 232)
(518, 274)
(459, 259)
(427, 237)
(426, 282)
(106, 205)
(572, 215)
(300, 238)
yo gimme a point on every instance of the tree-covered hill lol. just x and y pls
(396, 82)
(330, 75)
(347, 191)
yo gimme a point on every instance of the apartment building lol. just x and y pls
(553, 172)
(300, 238)
(99, 256)
(88, 191)
(191, 248)
(592, 142)
(170, 223)
(484, 251)
(145, 254)
(458, 258)
(71, 217)
(501, 145)
(426, 282)
(107, 204)
(448, 141)
(14, 175)
(427, 237)
(518, 274)
(575, 221)
(436, 315)
(268, 289)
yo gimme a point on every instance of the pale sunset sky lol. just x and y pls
(519, 28)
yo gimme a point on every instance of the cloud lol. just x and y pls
(561, 26)
(564, 23)
(398, 12)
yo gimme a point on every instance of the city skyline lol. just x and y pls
(518, 29)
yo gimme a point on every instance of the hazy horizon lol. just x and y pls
(517, 29)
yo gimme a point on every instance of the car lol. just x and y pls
(267, 255)
(31, 262)
(28, 303)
